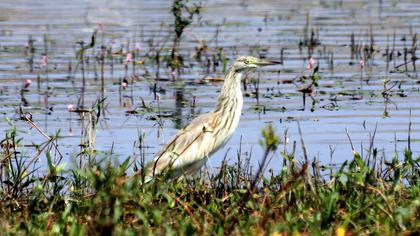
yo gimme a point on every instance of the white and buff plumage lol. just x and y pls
(190, 148)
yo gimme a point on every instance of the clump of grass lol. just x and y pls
(362, 197)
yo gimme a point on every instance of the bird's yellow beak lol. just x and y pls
(264, 62)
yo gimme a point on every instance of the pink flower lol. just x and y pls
(128, 58)
(44, 60)
(362, 64)
(137, 47)
(27, 83)
(70, 107)
(101, 26)
(311, 63)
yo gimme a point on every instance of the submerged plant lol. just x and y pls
(183, 16)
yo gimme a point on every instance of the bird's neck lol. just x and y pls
(231, 94)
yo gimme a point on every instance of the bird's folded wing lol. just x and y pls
(179, 145)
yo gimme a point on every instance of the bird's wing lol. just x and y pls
(178, 146)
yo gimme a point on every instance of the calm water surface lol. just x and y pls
(348, 96)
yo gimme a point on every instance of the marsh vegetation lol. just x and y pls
(327, 144)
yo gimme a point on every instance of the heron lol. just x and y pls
(190, 148)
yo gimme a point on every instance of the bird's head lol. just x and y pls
(249, 63)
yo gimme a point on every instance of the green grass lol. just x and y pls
(99, 197)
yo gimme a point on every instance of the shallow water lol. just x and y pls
(259, 28)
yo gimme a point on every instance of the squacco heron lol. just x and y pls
(190, 148)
